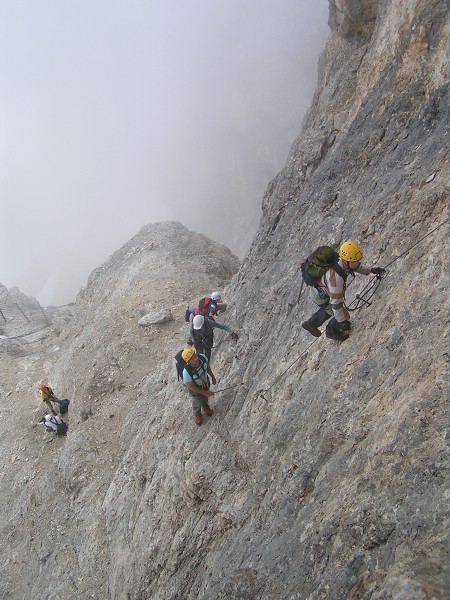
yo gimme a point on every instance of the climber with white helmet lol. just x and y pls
(195, 378)
(202, 334)
(54, 424)
(210, 306)
(329, 293)
(217, 305)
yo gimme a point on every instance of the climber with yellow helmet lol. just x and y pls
(329, 293)
(195, 378)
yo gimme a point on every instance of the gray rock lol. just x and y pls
(155, 318)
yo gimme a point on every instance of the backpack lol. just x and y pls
(318, 263)
(64, 406)
(182, 364)
(204, 306)
(61, 428)
(187, 315)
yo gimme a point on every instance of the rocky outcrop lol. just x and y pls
(353, 17)
(156, 318)
(24, 320)
(322, 472)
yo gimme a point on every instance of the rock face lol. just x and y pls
(321, 474)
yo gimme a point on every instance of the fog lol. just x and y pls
(115, 114)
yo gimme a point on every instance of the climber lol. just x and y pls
(220, 306)
(329, 294)
(54, 424)
(217, 305)
(202, 334)
(210, 306)
(195, 378)
(47, 395)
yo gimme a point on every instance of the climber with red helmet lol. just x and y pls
(47, 395)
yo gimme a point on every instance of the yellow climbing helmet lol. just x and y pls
(187, 354)
(350, 251)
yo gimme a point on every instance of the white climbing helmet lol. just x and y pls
(216, 296)
(197, 322)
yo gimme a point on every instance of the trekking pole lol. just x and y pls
(290, 305)
(300, 292)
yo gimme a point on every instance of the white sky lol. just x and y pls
(118, 113)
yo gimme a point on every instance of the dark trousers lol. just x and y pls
(202, 348)
(319, 318)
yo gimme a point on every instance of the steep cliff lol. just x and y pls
(322, 471)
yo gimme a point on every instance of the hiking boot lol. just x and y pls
(340, 337)
(312, 330)
(198, 419)
(207, 410)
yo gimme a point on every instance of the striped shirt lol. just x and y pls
(334, 286)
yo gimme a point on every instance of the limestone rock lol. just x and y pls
(155, 318)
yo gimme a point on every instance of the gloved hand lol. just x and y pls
(234, 336)
(378, 271)
(345, 325)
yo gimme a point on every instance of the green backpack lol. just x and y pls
(318, 263)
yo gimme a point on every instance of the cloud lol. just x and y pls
(115, 114)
